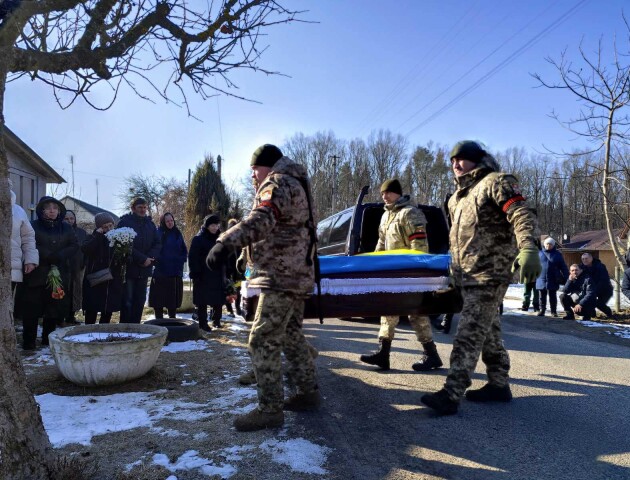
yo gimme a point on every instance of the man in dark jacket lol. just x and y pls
(601, 282)
(146, 247)
(57, 244)
(579, 294)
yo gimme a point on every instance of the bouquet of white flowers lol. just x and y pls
(121, 239)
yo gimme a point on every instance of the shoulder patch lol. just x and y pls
(265, 196)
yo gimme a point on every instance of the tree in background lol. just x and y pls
(601, 86)
(162, 195)
(73, 45)
(207, 194)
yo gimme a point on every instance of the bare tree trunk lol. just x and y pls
(25, 451)
(605, 180)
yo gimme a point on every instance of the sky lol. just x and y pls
(439, 71)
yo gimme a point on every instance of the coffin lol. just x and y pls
(376, 285)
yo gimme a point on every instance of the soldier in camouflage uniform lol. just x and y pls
(403, 226)
(491, 227)
(277, 233)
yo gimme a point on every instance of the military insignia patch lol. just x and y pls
(265, 196)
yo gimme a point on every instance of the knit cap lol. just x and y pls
(266, 156)
(102, 218)
(392, 185)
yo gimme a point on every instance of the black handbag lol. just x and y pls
(100, 276)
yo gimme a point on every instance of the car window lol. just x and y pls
(323, 230)
(339, 232)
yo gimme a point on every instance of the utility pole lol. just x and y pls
(219, 160)
(72, 168)
(96, 192)
(188, 188)
(334, 158)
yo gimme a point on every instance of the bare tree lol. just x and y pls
(73, 45)
(603, 90)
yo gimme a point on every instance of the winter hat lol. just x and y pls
(102, 218)
(549, 241)
(266, 156)
(391, 185)
(468, 150)
(212, 219)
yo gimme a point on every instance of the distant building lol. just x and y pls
(28, 172)
(596, 243)
(84, 212)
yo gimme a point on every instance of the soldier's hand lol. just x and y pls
(217, 256)
(529, 262)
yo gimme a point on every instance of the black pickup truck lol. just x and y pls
(355, 229)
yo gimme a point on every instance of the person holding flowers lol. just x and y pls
(42, 294)
(106, 296)
(145, 249)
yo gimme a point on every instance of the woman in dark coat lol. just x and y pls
(554, 273)
(209, 286)
(57, 244)
(105, 297)
(167, 287)
(77, 269)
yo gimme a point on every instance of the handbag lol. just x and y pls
(100, 276)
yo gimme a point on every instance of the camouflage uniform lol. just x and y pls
(490, 217)
(277, 238)
(403, 226)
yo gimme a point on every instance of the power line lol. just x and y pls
(500, 66)
(403, 82)
(61, 169)
(465, 74)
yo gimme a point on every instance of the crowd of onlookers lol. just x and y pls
(586, 286)
(59, 269)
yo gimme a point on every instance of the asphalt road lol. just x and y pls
(570, 417)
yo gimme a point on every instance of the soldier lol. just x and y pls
(403, 226)
(280, 233)
(488, 212)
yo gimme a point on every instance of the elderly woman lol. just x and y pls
(57, 244)
(209, 286)
(106, 296)
(167, 287)
(554, 273)
(77, 268)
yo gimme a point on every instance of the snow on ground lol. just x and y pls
(514, 300)
(188, 346)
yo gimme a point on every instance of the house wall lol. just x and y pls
(85, 219)
(28, 186)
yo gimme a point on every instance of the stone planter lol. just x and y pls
(90, 363)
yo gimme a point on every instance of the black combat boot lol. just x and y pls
(380, 358)
(490, 393)
(440, 402)
(430, 360)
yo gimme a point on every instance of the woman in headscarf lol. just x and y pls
(167, 287)
(77, 269)
(209, 286)
(104, 297)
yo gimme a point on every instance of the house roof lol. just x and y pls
(93, 209)
(590, 240)
(16, 144)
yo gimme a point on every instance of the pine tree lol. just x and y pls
(207, 194)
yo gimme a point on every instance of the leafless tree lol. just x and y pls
(173, 48)
(602, 88)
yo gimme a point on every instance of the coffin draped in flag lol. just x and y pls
(398, 282)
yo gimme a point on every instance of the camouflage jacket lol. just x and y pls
(402, 226)
(275, 232)
(487, 213)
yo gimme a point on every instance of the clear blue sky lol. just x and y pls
(366, 65)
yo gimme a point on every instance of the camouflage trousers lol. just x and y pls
(277, 328)
(420, 324)
(479, 332)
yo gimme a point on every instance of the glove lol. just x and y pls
(217, 256)
(529, 262)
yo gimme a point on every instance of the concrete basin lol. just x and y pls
(107, 354)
